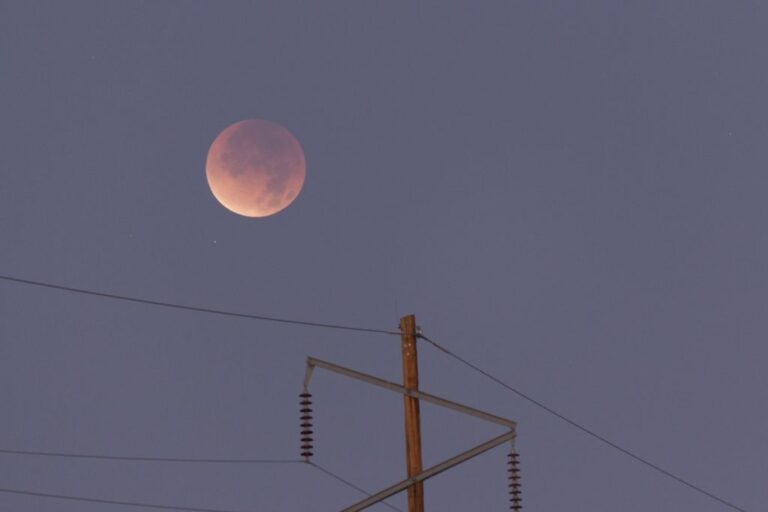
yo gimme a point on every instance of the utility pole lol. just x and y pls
(414, 483)
(412, 417)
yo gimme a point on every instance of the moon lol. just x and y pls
(255, 168)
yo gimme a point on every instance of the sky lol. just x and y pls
(569, 194)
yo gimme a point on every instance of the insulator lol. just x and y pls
(514, 481)
(306, 425)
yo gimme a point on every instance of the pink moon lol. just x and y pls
(255, 168)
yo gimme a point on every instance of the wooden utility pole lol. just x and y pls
(412, 419)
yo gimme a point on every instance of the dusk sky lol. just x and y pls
(571, 195)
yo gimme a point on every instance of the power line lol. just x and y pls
(156, 459)
(147, 459)
(581, 427)
(109, 502)
(197, 309)
(349, 484)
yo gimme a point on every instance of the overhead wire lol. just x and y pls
(185, 307)
(131, 458)
(581, 427)
(137, 504)
(85, 499)
(265, 318)
(198, 309)
(349, 484)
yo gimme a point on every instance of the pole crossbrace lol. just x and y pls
(430, 472)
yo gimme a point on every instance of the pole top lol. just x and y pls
(408, 324)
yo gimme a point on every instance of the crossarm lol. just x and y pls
(370, 379)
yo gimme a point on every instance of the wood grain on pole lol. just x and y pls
(412, 418)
